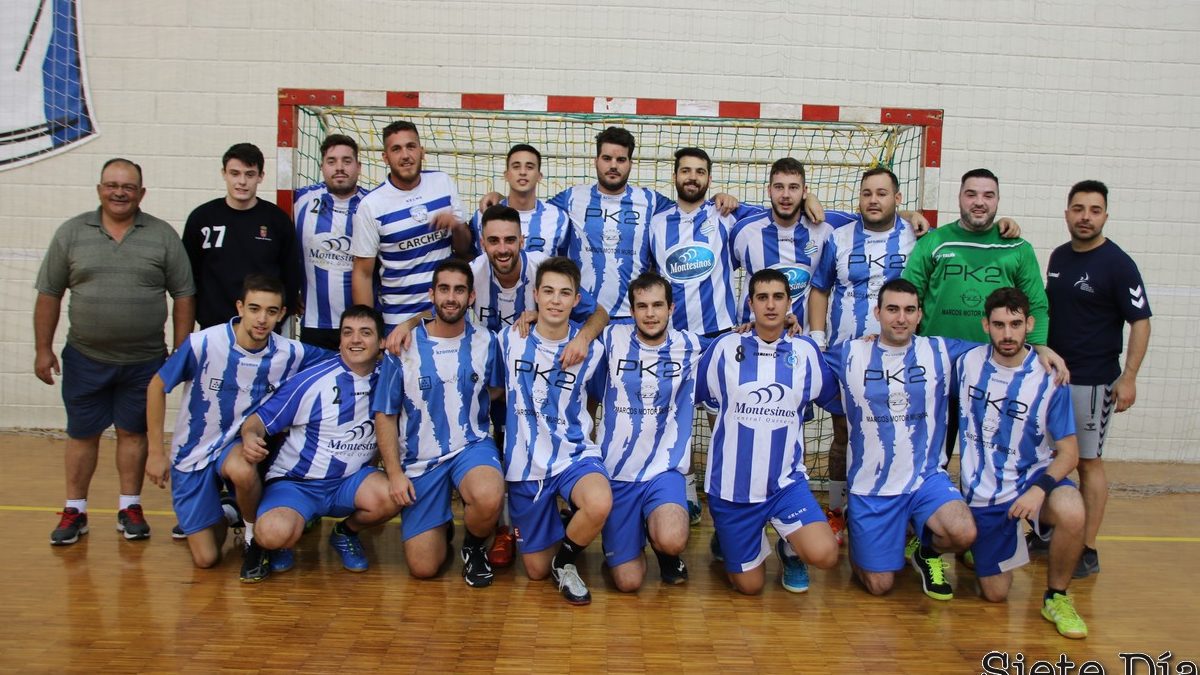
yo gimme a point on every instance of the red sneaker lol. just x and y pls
(837, 523)
(503, 547)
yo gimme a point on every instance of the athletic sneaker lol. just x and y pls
(714, 547)
(795, 572)
(933, 575)
(571, 585)
(694, 512)
(911, 547)
(837, 523)
(1089, 564)
(354, 558)
(1060, 610)
(72, 524)
(311, 523)
(132, 522)
(672, 570)
(282, 560)
(504, 545)
(476, 570)
(256, 564)
(1035, 543)
(233, 515)
(177, 532)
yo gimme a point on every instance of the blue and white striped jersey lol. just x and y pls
(324, 226)
(609, 238)
(1007, 418)
(758, 243)
(648, 403)
(439, 389)
(497, 307)
(547, 427)
(545, 228)
(222, 385)
(759, 391)
(326, 412)
(692, 251)
(896, 403)
(854, 264)
(394, 225)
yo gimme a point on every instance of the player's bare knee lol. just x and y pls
(536, 570)
(746, 586)
(822, 554)
(596, 504)
(426, 567)
(206, 558)
(672, 543)
(628, 581)
(995, 594)
(877, 583)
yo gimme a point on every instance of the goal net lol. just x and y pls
(468, 136)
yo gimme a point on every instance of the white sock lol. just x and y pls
(127, 501)
(837, 495)
(249, 531)
(689, 488)
(80, 504)
(788, 550)
(505, 518)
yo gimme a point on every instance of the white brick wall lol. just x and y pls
(1044, 93)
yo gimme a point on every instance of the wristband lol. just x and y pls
(1047, 483)
(818, 336)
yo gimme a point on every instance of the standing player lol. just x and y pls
(410, 223)
(119, 263)
(544, 227)
(322, 467)
(1095, 289)
(1011, 412)
(236, 235)
(548, 451)
(226, 371)
(782, 238)
(324, 215)
(437, 392)
(646, 435)
(759, 384)
(894, 390)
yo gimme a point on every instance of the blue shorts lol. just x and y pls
(878, 524)
(632, 503)
(313, 498)
(196, 495)
(99, 395)
(1000, 542)
(432, 507)
(740, 525)
(534, 509)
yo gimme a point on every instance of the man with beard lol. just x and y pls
(324, 215)
(544, 227)
(646, 434)
(437, 394)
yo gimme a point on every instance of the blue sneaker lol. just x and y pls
(795, 572)
(714, 547)
(282, 560)
(354, 558)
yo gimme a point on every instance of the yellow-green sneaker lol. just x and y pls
(1060, 609)
(932, 572)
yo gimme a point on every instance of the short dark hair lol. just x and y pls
(766, 275)
(616, 136)
(979, 173)
(454, 265)
(897, 285)
(1010, 298)
(333, 140)
(263, 283)
(122, 160)
(559, 265)
(788, 165)
(881, 171)
(1082, 186)
(647, 280)
(523, 147)
(396, 127)
(363, 312)
(499, 212)
(693, 152)
(246, 153)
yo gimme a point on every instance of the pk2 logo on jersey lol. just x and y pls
(689, 262)
(656, 369)
(615, 217)
(554, 377)
(1005, 406)
(906, 375)
(887, 261)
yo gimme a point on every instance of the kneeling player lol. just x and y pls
(437, 393)
(1011, 409)
(322, 469)
(759, 383)
(548, 451)
(646, 435)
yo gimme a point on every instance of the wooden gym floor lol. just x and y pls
(109, 605)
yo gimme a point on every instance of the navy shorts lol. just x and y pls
(633, 502)
(99, 395)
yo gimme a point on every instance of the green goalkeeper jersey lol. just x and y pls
(955, 270)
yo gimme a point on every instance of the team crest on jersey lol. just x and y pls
(898, 401)
(419, 214)
(810, 249)
(263, 233)
(689, 262)
(425, 383)
(790, 360)
(797, 277)
(611, 235)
